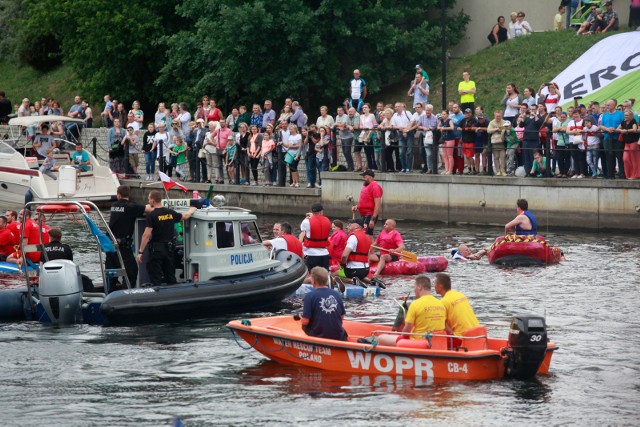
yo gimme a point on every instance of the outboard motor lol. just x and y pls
(60, 291)
(527, 346)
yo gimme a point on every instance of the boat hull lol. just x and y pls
(281, 339)
(240, 293)
(523, 251)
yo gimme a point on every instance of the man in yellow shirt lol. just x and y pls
(425, 314)
(460, 315)
(467, 92)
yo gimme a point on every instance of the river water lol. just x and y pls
(145, 375)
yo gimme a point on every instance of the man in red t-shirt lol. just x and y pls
(370, 202)
(390, 239)
(6, 239)
(13, 225)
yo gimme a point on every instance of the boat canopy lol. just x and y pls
(34, 120)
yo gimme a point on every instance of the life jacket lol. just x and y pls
(319, 233)
(293, 245)
(361, 254)
(534, 226)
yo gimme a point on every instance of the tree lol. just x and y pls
(253, 50)
(110, 44)
(10, 13)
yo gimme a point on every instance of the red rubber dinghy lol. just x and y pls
(429, 264)
(523, 251)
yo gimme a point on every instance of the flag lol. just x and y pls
(105, 242)
(169, 183)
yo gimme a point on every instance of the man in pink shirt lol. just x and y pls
(391, 240)
(370, 202)
(222, 135)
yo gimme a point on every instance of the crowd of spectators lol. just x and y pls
(530, 135)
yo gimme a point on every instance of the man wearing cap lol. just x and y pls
(355, 258)
(196, 142)
(467, 92)
(610, 18)
(370, 202)
(357, 91)
(419, 90)
(468, 126)
(422, 71)
(284, 239)
(314, 235)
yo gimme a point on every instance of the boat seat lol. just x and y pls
(471, 343)
(438, 342)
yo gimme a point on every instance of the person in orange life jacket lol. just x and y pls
(6, 239)
(370, 202)
(355, 258)
(314, 235)
(525, 223)
(31, 237)
(391, 239)
(337, 241)
(284, 239)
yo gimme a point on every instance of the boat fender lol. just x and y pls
(246, 322)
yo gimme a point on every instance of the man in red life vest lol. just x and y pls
(13, 225)
(6, 239)
(370, 202)
(355, 258)
(391, 240)
(315, 229)
(284, 239)
(31, 237)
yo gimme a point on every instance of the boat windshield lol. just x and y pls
(224, 234)
(6, 149)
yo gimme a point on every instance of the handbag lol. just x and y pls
(428, 138)
(202, 154)
(289, 158)
(364, 137)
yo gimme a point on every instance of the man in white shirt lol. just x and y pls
(403, 122)
(43, 142)
(357, 91)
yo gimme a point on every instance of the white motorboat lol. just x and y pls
(22, 181)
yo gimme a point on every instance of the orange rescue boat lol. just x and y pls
(525, 353)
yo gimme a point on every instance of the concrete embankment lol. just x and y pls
(582, 204)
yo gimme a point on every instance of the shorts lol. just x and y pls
(480, 147)
(360, 273)
(366, 219)
(293, 167)
(468, 149)
(317, 261)
(357, 145)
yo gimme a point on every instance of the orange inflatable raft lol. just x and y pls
(525, 353)
(516, 251)
(429, 264)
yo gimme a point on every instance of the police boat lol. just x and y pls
(221, 267)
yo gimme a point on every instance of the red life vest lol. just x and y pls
(361, 254)
(293, 245)
(319, 234)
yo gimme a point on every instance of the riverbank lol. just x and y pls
(596, 205)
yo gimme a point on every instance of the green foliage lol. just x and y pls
(10, 13)
(109, 44)
(253, 50)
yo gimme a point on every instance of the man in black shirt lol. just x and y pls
(5, 108)
(159, 235)
(122, 222)
(468, 128)
(55, 249)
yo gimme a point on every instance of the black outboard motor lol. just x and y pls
(527, 346)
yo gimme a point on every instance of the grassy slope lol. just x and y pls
(19, 81)
(526, 61)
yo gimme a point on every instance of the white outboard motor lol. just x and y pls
(60, 291)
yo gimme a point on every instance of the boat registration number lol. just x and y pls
(455, 367)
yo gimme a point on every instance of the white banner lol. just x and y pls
(604, 63)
